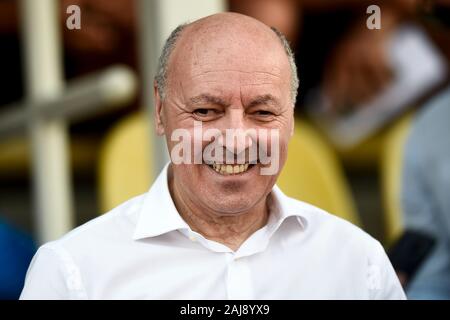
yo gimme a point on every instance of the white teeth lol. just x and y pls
(227, 169)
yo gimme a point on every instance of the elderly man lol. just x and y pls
(216, 226)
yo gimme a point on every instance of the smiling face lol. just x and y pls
(229, 72)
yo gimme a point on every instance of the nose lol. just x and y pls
(236, 136)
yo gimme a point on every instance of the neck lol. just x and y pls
(230, 230)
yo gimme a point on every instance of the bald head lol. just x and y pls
(227, 39)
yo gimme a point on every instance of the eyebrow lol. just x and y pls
(206, 98)
(266, 99)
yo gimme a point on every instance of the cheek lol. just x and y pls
(184, 145)
(275, 143)
(284, 144)
(283, 156)
(190, 176)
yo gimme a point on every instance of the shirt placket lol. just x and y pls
(239, 279)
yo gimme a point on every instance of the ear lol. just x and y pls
(158, 117)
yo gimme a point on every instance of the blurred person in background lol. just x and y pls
(334, 48)
(16, 251)
(426, 176)
(425, 195)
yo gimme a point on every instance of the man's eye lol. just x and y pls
(202, 112)
(263, 113)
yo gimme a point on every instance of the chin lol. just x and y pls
(231, 204)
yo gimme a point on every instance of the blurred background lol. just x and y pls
(372, 118)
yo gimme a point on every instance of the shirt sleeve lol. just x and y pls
(382, 278)
(52, 276)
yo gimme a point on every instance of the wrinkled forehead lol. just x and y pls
(250, 57)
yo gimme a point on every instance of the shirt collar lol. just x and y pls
(158, 214)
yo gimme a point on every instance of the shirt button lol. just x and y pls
(193, 238)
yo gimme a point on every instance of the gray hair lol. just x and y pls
(161, 74)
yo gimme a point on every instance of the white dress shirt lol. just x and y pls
(143, 249)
